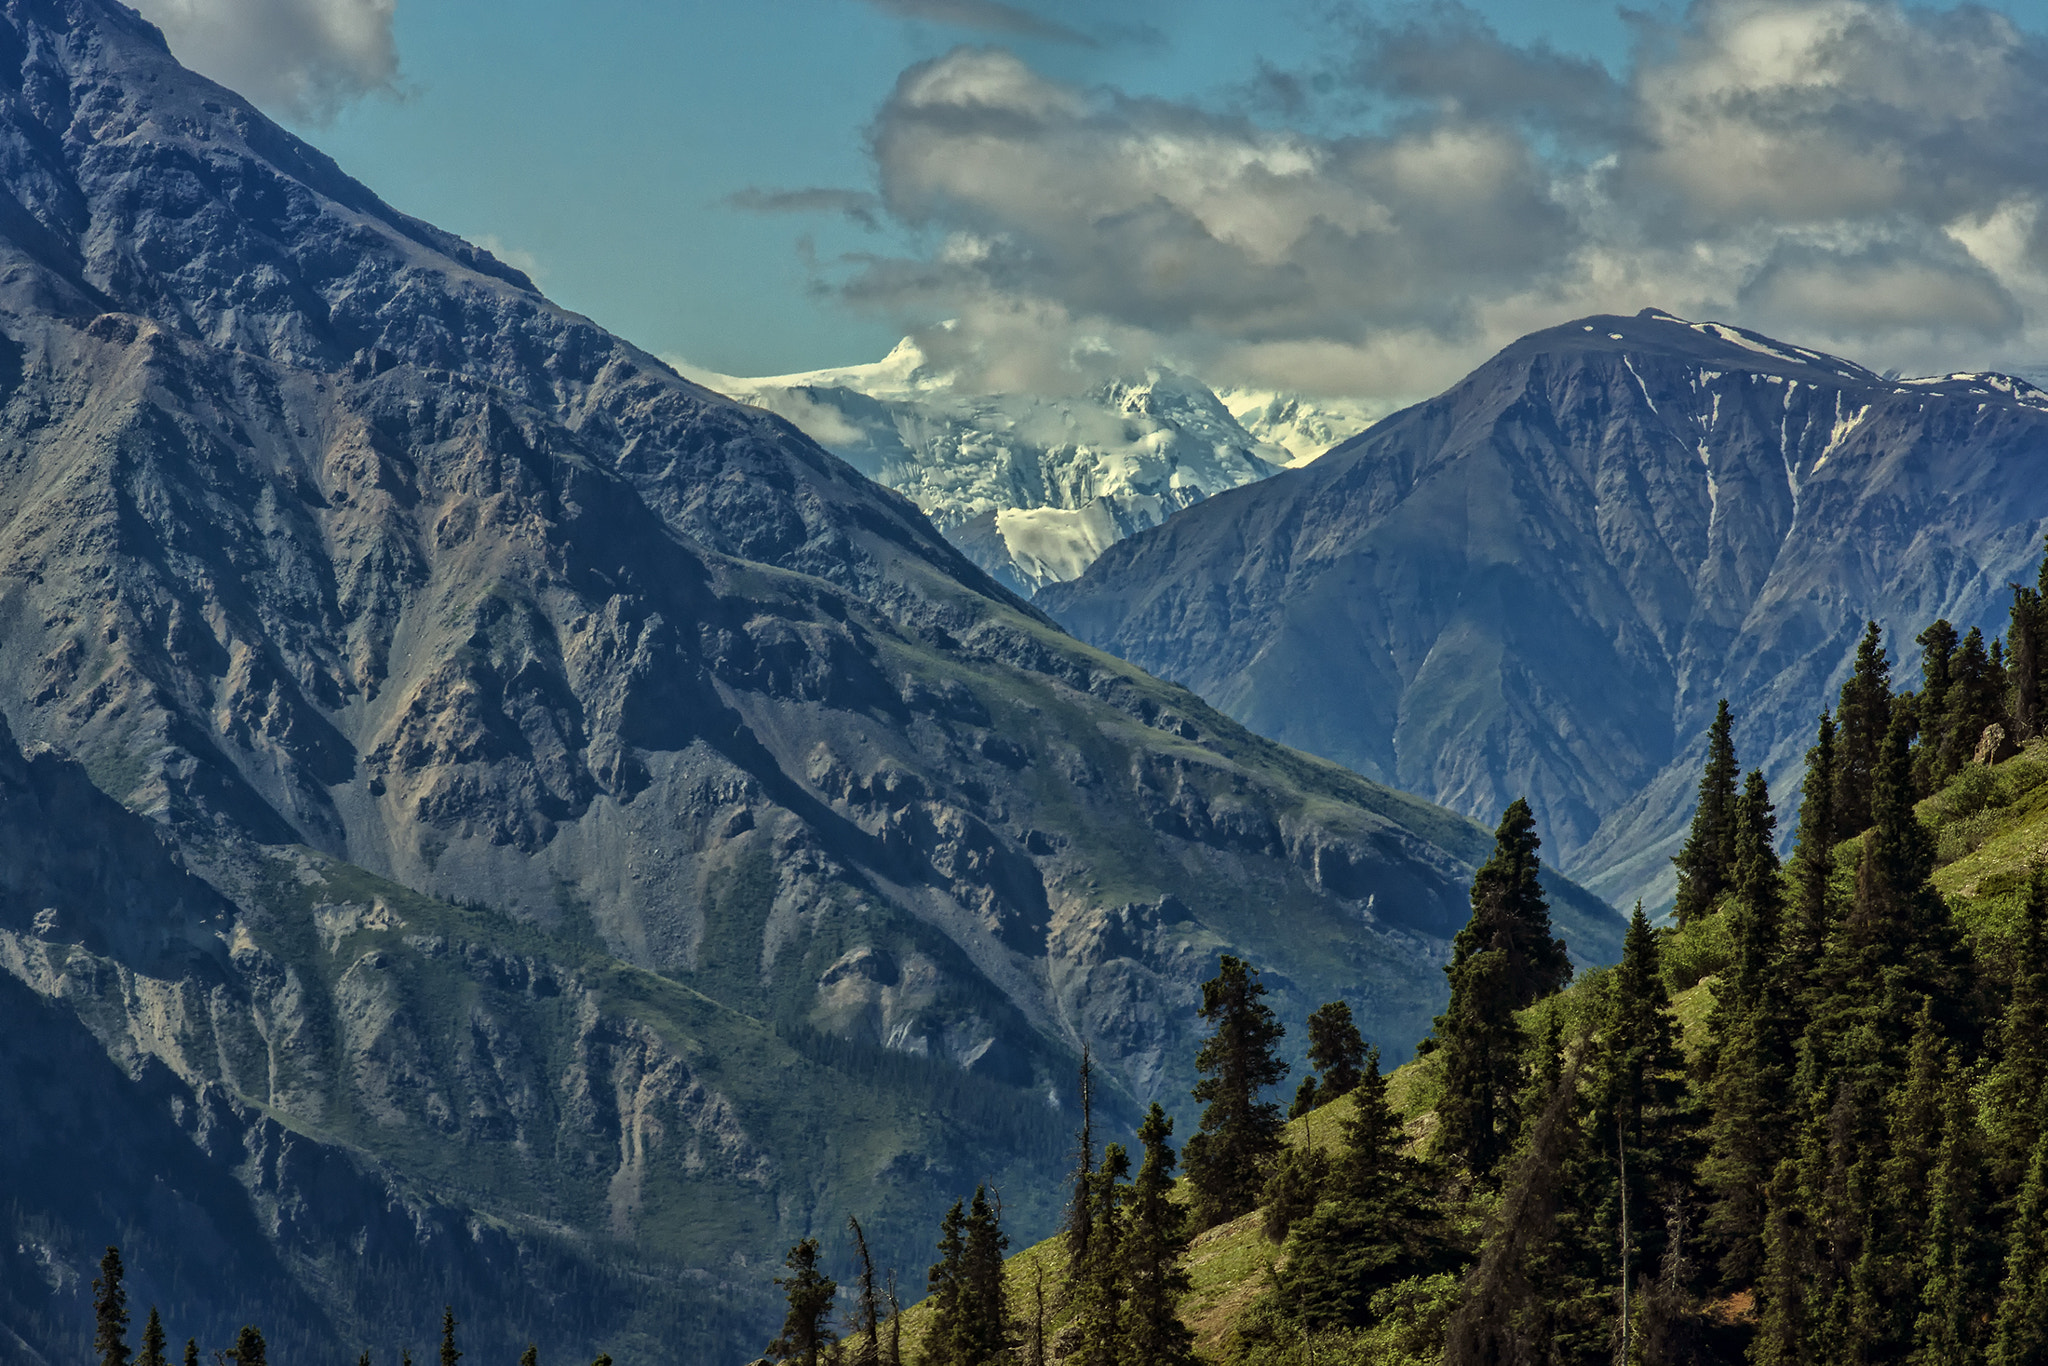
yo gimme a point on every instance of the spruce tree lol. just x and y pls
(1864, 716)
(1811, 921)
(529, 1357)
(1975, 702)
(2014, 1094)
(896, 1319)
(1939, 649)
(1307, 1097)
(1080, 1197)
(810, 1292)
(1155, 1237)
(110, 1312)
(1784, 1325)
(981, 1335)
(153, 1343)
(1503, 960)
(2019, 1330)
(192, 1352)
(1957, 1290)
(1335, 1049)
(1706, 864)
(1379, 1226)
(1100, 1287)
(946, 1284)
(449, 1356)
(249, 1348)
(2024, 656)
(1227, 1159)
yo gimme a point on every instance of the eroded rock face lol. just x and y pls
(566, 750)
(1541, 582)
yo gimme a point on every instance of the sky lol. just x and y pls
(1341, 198)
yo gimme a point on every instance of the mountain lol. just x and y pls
(1033, 488)
(1541, 581)
(524, 831)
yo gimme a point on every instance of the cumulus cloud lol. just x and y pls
(1855, 174)
(300, 59)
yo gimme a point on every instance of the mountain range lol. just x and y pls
(1542, 581)
(1033, 487)
(491, 822)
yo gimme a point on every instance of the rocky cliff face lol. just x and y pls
(622, 838)
(1542, 581)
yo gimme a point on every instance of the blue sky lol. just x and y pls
(603, 145)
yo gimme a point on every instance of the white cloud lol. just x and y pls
(1855, 174)
(299, 59)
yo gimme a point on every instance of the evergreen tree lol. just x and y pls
(1503, 960)
(1379, 1226)
(1865, 714)
(249, 1348)
(810, 1292)
(1307, 1097)
(1975, 702)
(2019, 1332)
(1938, 659)
(449, 1356)
(1292, 1191)
(1784, 1326)
(2024, 654)
(1080, 1198)
(2014, 1094)
(1706, 864)
(110, 1312)
(896, 1319)
(1155, 1237)
(1641, 1119)
(946, 1284)
(981, 1334)
(1227, 1159)
(1813, 862)
(153, 1343)
(867, 1310)
(529, 1357)
(1958, 1267)
(1335, 1049)
(192, 1352)
(1099, 1287)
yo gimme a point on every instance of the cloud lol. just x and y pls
(989, 16)
(857, 205)
(301, 59)
(1856, 174)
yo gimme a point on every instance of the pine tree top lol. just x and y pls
(1511, 914)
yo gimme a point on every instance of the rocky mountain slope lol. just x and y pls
(1033, 488)
(1542, 581)
(618, 837)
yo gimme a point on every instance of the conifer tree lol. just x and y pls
(981, 1335)
(1784, 1326)
(1939, 648)
(1307, 1097)
(1227, 1159)
(1100, 1288)
(529, 1357)
(2024, 654)
(1863, 718)
(1380, 1224)
(1957, 1292)
(1335, 1049)
(249, 1348)
(1975, 702)
(1080, 1198)
(153, 1342)
(1503, 960)
(867, 1314)
(2015, 1090)
(110, 1312)
(1706, 865)
(1155, 1237)
(449, 1356)
(1886, 1273)
(896, 1319)
(810, 1292)
(1813, 861)
(192, 1352)
(946, 1283)
(2019, 1331)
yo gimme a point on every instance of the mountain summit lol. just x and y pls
(612, 837)
(1541, 581)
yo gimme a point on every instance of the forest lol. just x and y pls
(1806, 1120)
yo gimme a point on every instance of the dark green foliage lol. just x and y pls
(1504, 959)
(1292, 1190)
(805, 1333)
(1811, 921)
(1938, 650)
(249, 1348)
(2019, 1333)
(1240, 1135)
(1864, 716)
(1307, 1097)
(2025, 656)
(110, 1312)
(1080, 1197)
(1958, 1261)
(983, 1333)
(449, 1356)
(1155, 1236)
(1098, 1289)
(1335, 1048)
(529, 1357)
(1378, 1225)
(153, 1342)
(1976, 701)
(192, 1353)
(2015, 1091)
(1706, 864)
